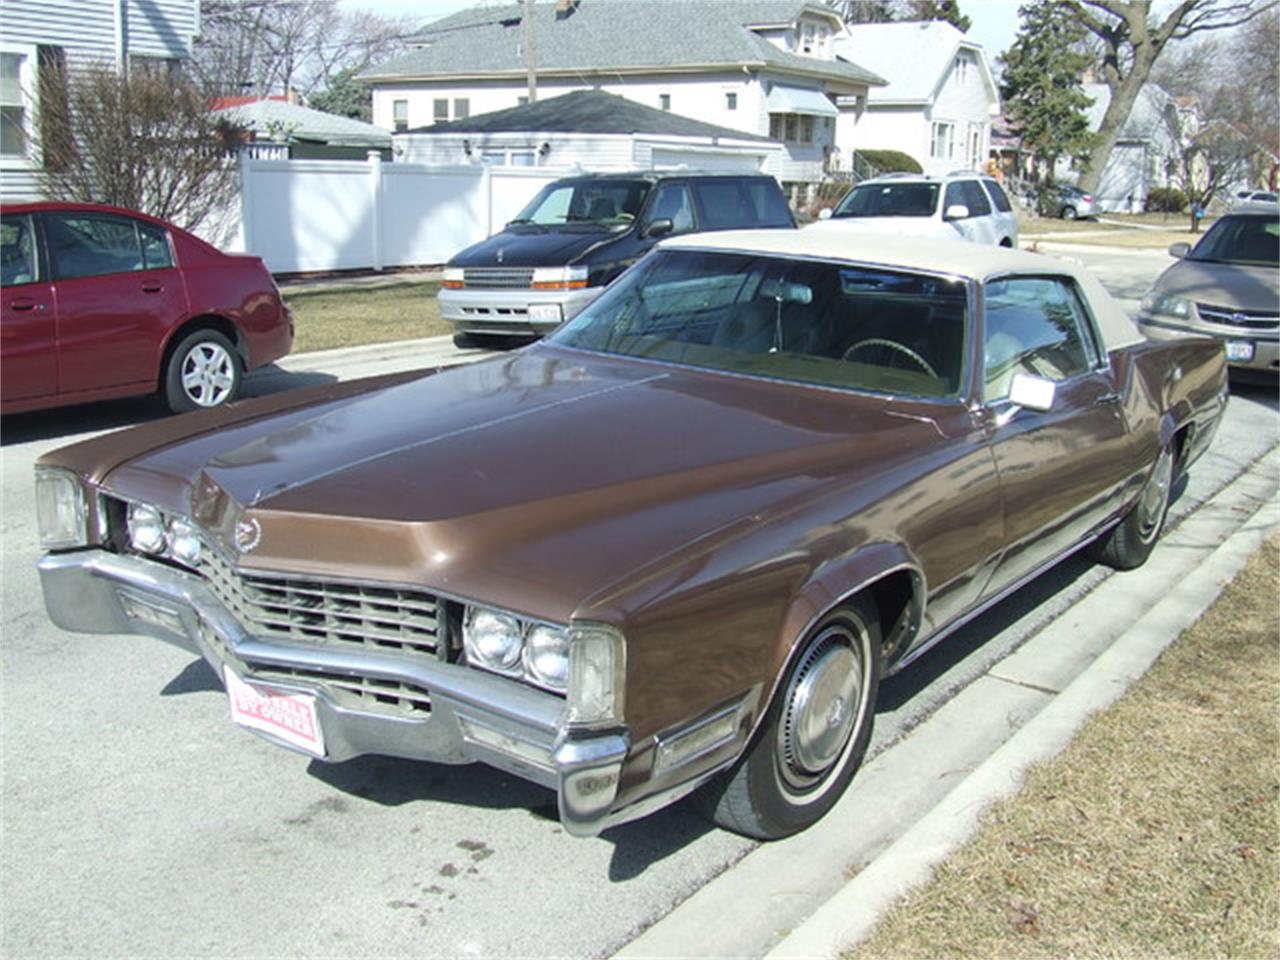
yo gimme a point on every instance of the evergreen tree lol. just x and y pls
(948, 10)
(346, 96)
(1041, 86)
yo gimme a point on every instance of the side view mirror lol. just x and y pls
(1033, 393)
(1179, 250)
(957, 211)
(824, 213)
(659, 228)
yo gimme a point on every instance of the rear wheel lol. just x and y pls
(203, 372)
(814, 736)
(1131, 541)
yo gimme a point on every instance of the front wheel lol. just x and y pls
(814, 736)
(1130, 542)
(1069, 213)
(203, 372)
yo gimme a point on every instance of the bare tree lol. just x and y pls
(143, 140)
(1132, 40)
(1211, 158)
(274, 46)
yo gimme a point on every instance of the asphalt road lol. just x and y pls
(137, 820)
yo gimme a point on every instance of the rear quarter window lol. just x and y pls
(998, 196)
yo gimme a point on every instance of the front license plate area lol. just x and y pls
(287, 716)
(1239, 350)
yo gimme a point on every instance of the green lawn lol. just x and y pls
(351, 317)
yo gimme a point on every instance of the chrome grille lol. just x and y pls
(498, 278)
(362, 693)
(324, 611)
(1241, 319)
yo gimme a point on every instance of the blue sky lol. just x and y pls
(994, 21)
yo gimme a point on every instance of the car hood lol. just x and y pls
(897, 226)
(1221, 284)
(537, 479)
(533, 248)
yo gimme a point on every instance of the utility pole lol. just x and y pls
(530, 51)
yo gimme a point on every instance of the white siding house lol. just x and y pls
(1145, 152)
(763, 67)
(44, 35)
(939, 101)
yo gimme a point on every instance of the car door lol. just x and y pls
(977, 226)
(28, 321)
(118, 294)
(1004, 220)
(1062, 471)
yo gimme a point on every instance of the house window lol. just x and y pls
(963, 66)
(791, 127)
(777, 126)
(806, 129)
(940, 148)
(731, 101)
(664, 101)
(461, 108)
(400, 114)
(440, 110)
(808, 38)
(15, 103)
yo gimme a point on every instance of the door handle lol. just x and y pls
(26, 305)
(151, 288)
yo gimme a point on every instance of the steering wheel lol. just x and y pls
(896, 346)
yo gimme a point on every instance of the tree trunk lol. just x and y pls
(1124, 92)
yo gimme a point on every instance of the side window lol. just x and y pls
(1034, 325)
(17, 251)
(975, 199)
(724, 205)
(673, 202)
(769, 203)
(955, 195)
(82, 246)
(998, 196)
(155, 247)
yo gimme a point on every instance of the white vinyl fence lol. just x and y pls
(310, 215)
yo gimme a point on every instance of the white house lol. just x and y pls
(939, 101)
(591, 129)
(41, 37)
(764, 67)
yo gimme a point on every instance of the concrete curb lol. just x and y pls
(1065, 246)
(853, 912)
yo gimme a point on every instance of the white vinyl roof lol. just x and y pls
(785, 99)
(958, 258)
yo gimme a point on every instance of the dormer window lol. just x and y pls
(808, 38)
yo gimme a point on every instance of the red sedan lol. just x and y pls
(98, 302)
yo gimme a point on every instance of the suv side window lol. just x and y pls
(998, 196)
(955, 195)
(1034, 325)
(672, 201)
(770, 205)
(726, 203)
(975, 199)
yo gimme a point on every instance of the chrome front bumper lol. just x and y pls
(474, 716)
(507, 311)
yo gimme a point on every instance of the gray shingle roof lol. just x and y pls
(588, 111)
(604, 35)
(274, 117)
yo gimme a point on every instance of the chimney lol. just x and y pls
(565, 8)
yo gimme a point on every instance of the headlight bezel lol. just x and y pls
(526, 668)
(62, 508)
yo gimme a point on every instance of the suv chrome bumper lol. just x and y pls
(474, 716)
(507, 311)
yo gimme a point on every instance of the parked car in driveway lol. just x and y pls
(1226, 287)
(98, 302)
(579, 233)
(675, 546)
(960, 206)
(1072, 203)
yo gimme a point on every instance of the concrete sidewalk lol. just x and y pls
(917, 802)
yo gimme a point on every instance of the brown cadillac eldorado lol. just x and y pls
(674, 546)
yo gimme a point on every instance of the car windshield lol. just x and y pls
(585, 204)
(1241, 239)
(843, 326)
(916, 199)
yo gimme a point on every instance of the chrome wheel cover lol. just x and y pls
(1155, 496)
(823, 704)
(207, 374)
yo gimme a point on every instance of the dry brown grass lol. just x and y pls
(1154, 835)
(327, 319)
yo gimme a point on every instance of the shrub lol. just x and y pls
(1166, 200)
(891, 161)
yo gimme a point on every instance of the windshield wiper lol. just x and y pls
(525, 222)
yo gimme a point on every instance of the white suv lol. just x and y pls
(960, 206)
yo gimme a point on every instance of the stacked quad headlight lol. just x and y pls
(503, 643)
(586, 661)
(152, 532)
